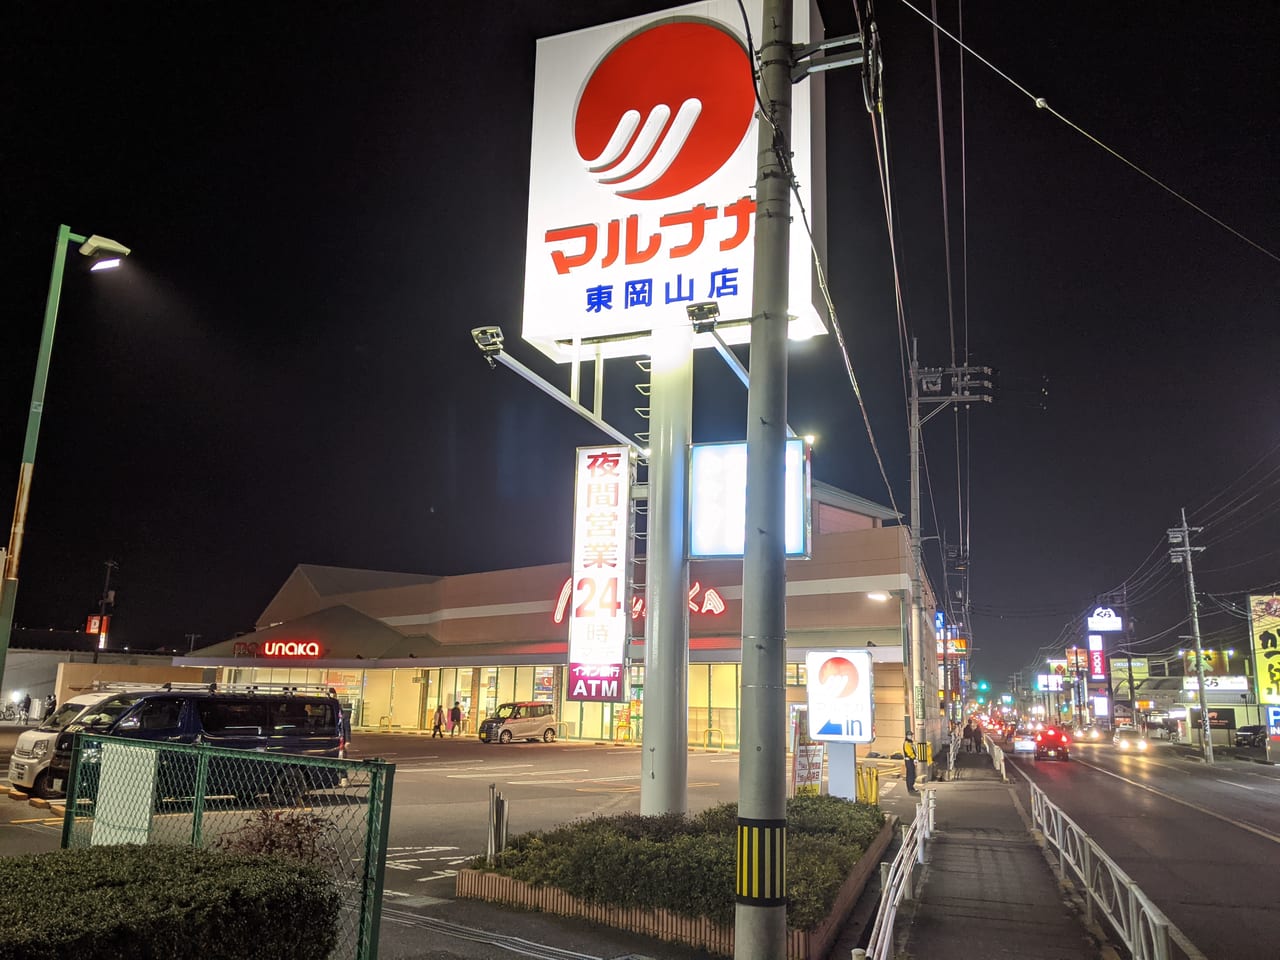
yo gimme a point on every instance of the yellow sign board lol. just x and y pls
(1264, 628)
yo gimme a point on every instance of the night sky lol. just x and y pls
(323, 199)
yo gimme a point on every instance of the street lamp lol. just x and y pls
(106, 254)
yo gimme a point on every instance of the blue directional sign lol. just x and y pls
(939, 623)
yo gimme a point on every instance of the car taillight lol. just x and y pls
(1038, 738)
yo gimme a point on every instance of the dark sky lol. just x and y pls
(324, 198)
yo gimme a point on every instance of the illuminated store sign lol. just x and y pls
(598, 608)
(642, 164)
(1105, 620)
(1048, 682)
(277, 648)
(1097, 658)
(1264, 627)
(706, 601)
(1216, 683)
(718, 499)
(839, 687)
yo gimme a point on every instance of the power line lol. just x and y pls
(1042, 104)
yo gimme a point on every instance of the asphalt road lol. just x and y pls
(1202, 842)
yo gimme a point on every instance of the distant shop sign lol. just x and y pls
(598, 608)
(1105, 620)
(1216, 683)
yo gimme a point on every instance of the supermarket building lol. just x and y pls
(396, 645)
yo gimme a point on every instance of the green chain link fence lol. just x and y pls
(331, 813)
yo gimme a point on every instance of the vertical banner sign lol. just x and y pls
(1097, 657)
(598, 609)
(641, 180)
(1264, 627)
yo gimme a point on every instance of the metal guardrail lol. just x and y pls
(122, 790)
(997, 756)
(1140, 924)
(706, 738)
(897, 879)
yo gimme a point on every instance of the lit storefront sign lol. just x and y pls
(277, 648)
(1101, 707)
(718, 499)
(642, 161)
(1121, 666)
(839, 687)
(1216, 683)
(1097, 658)
(956, 647)
(1105, 620)
(702, 601)
(1264, 627)
(1049, 682)
(598, 608)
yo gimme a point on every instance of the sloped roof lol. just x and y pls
(343, 633)
(835, 497)
(330, 581)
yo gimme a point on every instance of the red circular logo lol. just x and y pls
(843, 672)
(665, 109)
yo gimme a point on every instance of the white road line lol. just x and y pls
(532, 773)
(1186, 803)
(1240, 785)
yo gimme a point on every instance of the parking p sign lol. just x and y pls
(839, 687)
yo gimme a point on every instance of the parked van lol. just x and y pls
(274, 723)
(526, 720)
(29, 764)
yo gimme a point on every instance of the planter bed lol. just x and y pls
(698, 932)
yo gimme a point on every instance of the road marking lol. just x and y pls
(490, 773)
(1230, 784)
(1186, 803)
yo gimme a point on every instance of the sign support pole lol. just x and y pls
(760, 920)
(664, 763)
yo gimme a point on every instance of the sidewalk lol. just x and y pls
(986, 889)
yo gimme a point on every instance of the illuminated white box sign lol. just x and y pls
(1101, 707)
(1105, 620)
(641, 179)
(718, 499)
(598, 610)
(839, 686)
(1051, 682)
(1216, 683)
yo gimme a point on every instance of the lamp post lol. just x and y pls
(107, 254)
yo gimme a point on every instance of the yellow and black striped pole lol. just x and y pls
(762, 862)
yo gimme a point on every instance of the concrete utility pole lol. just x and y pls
(1182, 552)
(964, 387)
(760, 918)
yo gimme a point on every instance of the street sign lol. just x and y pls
(839, 687)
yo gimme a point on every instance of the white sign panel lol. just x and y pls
(1101, 707)
(1216, 683)
(718, 499)
(598, 609)
(839, 686)
(1048, 682)
(642, 179)
(1105, 620)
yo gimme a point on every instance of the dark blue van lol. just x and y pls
(273, 723)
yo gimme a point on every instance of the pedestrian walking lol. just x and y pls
(455, 719)
(968, 736)
(437, 722)
(24, 708)
(50, 702)
(909, 762)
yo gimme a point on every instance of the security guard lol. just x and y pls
(909, 762)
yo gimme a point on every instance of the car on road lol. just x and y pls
(1130, 739)
(1088, 734)
(1052, 742)
(1024, 740)
(29, 764)
(528, 720)
(1251, 736)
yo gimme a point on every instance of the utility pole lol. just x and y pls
(963, 386)
(760, 914)
(108, 597)
(1182, 552)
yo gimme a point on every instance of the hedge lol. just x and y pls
(686, 863)
(158, 902)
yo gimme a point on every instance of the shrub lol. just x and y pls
(292, 833)
(687, 864)
(157, 902)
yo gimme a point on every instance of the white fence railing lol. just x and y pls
(997, 756)
(896, 879)
(952, 750)
(1108, 890)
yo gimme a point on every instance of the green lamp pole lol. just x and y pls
(109, 254)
